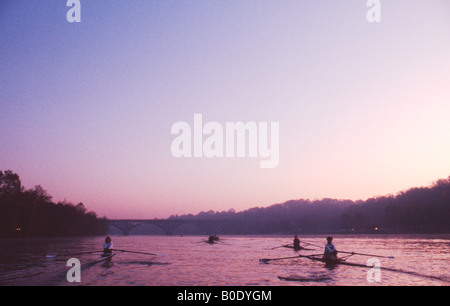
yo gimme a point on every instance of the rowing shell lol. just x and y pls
(297, 248)
(104, 257)
(302, 279)
(329, 263)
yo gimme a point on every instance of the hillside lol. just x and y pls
(417, 210)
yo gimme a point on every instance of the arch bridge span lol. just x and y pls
(169, 226)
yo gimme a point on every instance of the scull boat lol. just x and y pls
(296, 248)
(104, 258)
(332, 263)
(313, 257)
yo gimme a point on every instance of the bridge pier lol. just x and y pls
(125, 225)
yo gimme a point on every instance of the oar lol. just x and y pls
(71, 254)
(134, 252)
(362, 254)
(311, 244)
(265, 260)
(281, 246)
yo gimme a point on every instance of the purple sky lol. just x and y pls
(86, 108)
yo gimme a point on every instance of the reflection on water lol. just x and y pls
(233, 261)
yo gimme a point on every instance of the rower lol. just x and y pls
(211, 239)
(296, 243)
(330, 253)
(107, 246)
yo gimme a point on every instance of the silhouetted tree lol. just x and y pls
(421, 210)
(9, 183)
(31, 213)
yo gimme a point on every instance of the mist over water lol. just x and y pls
(234, 261)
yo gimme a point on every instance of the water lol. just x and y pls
(190, 261)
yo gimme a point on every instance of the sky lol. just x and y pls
(86, 108)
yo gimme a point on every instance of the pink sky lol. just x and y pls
(87, 109)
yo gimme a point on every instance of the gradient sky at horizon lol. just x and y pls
(86, 109)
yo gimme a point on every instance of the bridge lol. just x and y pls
(169, 226)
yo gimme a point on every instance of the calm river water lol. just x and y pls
(234, 261)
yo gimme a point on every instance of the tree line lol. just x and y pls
(32, 213)
(417, 210)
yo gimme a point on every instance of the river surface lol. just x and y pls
(233, 261)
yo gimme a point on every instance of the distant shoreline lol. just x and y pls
(444, 236)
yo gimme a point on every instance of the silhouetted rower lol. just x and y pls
(213, 238)
(296, 243)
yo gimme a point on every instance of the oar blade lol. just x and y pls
(72, 254)
(135, 252)
(369, 255)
